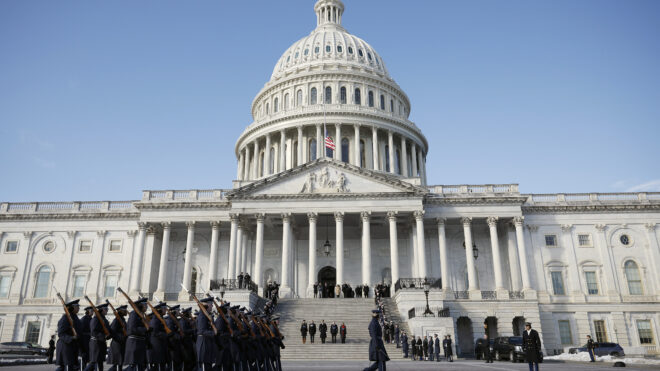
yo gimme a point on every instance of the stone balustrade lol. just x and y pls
(468, 190)
(184, 195)
(67, 207)
(591, 198)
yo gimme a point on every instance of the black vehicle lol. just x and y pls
(510, 347)
(480, 348)
(602, 349)
(23, 348)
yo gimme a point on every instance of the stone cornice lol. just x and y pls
(226, 205)
(603, 208)
(474, 200)
(71, 216)
(332, 196)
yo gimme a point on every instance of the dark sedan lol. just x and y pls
(510, 347)
(480, 348)
(602, 349)
(22, 348)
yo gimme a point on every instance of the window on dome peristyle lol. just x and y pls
(369, 56)
(382, 102)
(328, 48)
(344, 150)
(360, 53)
(312, 96)
(276, 105)
(342, 95)
(350, 50)
(306, 52)
(371, 99)
(358, 98)
(391, 105)
(328, 95)
(317, 49)
(339, 49)
(312, 150)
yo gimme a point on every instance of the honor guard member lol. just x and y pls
(257, 343)
(247, 351)
(236, 339)
(189, 358)
(312, 331)
(175, 340)
(333, 332)
(377, 352)
(223, 358)
(404, 344)
(436, 348)
(205, 344)
(118, 344)
(278, 343)
(135, 355)
(531, 346)
(323, 330)
(85, 335)
(449, 352)
(98, 347)
(269, 362)
(67, 347)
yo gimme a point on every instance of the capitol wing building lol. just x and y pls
(299, 212)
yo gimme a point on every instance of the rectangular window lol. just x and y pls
(565, 332)
(85, 246)
(644, 331)
(584, 240)
(79, 285)
(12, 246)
(550, 240)
(115, 246)
(601, 331)
(32, 332)
(110, 286)
(5, 281)
(592, 283)
(558, 283)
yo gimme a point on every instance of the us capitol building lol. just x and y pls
(572, 264)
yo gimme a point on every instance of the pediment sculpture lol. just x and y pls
(325, 181)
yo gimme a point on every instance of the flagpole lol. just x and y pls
(325, 130)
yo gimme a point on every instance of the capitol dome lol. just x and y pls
(331, 86)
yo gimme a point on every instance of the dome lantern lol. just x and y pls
(328, 12)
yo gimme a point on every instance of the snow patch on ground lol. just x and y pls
(584, 357)
(22, 361)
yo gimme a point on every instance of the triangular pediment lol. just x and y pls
(326, 177)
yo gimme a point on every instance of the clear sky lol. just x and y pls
(100, 100)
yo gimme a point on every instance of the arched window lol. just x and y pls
(312, 96)
(43, 282)
(299, 98)
(294, 155)
(342, 95)
(363, 154)
(286, 101)
(358, 98)
(312, 150)
(371, 98)
(344, 150)
(275, 105)
(633, 278)
(262, 170)
(392, 105)
(382, 102)
(328, 95)
(397, 161)
(267, 109)
(272, 160)
(387, 157)
(193, 281)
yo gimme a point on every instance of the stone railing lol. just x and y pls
(592, 198)
(233, 284)
(488, 295)
(416, 283)
(516, 295)
(458, 295)
(64, 207)
(184, 195)
(467, 190)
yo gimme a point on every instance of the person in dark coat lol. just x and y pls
(278, 343)
(404, 344)
(430, 349)
(386, 332)
(316, 289)
(188, 343)
(51, 350)
(303, 331)
(342, 332)
(377, 353)
(436, 348)
(447, 346)
(365, 291)
(487, 353)
(323, 329)
(175, 340)
(420, 348)
(334, 329)
(223, 357)
(85, 335)
(531, 347)
(98, 347)
(118, 344)
(240, 280)
(590, 348)
(396, 336)
(425, 348)
(312, 331)
(135, 355)
(67, 346)
(205, 344)
(413, 346)
(158, 350)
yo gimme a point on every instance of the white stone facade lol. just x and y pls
(579, 261)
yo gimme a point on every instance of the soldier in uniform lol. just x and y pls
(158, 339)
(85, 335)
(436, 348)
(396, 335)
(175, 340)
(377, 353)
(312, 331)
(67, 346)
(189, 359)
(365, 291)
(303, 331)
(205, 345)
(118, 344)
(404, 344)
(237, 343)
(277, 345)
(98, 347)
(531, 346)
(333, 332)
(323, 329)
(135, 355)
(223, 357)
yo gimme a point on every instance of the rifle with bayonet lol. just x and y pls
(135, 308)
(118, 317)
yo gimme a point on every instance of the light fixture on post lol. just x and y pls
(326, 245)
(475, 251)
(427, 288)
(223, 287)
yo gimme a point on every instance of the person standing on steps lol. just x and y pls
(446, 344)
(436, 348)
(316, 289)
(397, 336)
(333, 331)
(312, 331)
(51, 350)
(425, 348)
(323, 329)
(303, 331)
(430, 348)
(342, 332)
(404, 344)
(377, 353)
(414, 348)
(240, 280)
(531, 347)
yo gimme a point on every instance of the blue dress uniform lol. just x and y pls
(85, 335)
(98, 348)
(236, 340)
(118, 344)
(189, 358)
(377, 353)
(158, 351)
(175, 341)
(404, 345)
(277, 345)
(258, 344)
(205, 344)
(135, 355)
(223, 358)
(67, 348)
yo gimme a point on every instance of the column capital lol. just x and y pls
(142, 226)
(391, 215)
(466, 220)
(286, 217)
(190, 225)
(299, 127)
(600, 227)
(339, 216)
(151, 229)
(566, 227)
(357, 125)
(532, 228)
(518, 221)
(441, 221)
(101, 233)
(650, 227)
(418, 214)
(130, 233)
(166, 225)
(260, 217)
(234, 217)
(337, 125)
(312, 217)
(492, 221)
(72, 234)
(215, 224)
(365, 216)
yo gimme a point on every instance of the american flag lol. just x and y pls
(328, 142)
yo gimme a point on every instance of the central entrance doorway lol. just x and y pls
(327, 279)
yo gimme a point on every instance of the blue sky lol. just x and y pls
(99, 100)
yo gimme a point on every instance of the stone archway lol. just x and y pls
(465, 341)
(490, 327)
(327, 278)
(518, 324)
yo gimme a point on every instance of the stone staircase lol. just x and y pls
(354, 312)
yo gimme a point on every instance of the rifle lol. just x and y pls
(68, 315)
(238, 322)
(176, 320)
(135, 308)
(117, 316)
(98, 316)
(160, 318)
(203, 309)
(248, 325)
(224, 318)
(279, 334)
(263, 324)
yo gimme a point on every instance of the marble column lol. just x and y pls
(338, 142)
(404, 158)
(240, 235)
(469, 258)
(422, 166)
(247, 163)
(241, 159)
(299, 153)
(444, 258)
(136, 278)
(282, 152)
(233, 237)
(339, 226)
(366, 247)
(421, 246)
(258, 261)
(320, 143)
(267, 169)
(522, 255)
(246, 245)
(374, 146)
(495, 246)
(164, 255)
(394, 250)
(390, 154)
(356, 146)
(413, 153)
(286, 230)
(514, 265)
(187, 270)
(653, 251)
(415, 252)
(257, 164)
(312, 217)
(213, 257)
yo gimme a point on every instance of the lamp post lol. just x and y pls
(475, 251)
(326, 245)
(223, 287)
(427, 288)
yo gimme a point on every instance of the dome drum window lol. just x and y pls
(306, 52)
(350, 50)
(49, 246)
(624, 239)
(317, 50)
(339, 49)
(297, 54)
(328, 48)
(360, 53)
